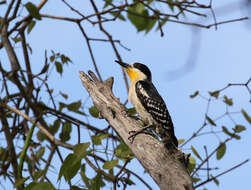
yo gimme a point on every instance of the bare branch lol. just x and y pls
(90, 49)
(215, 177)
(10, 144)
(6, 43)
(43, 129)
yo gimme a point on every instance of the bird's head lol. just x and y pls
(136, 71)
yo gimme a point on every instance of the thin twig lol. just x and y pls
(25, 148)
(43, 129)
(48, 163)
(90, 50)
(207, 162)
(212, 178)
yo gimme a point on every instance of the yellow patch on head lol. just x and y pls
(133, 74)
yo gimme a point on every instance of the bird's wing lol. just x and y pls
(153, 103)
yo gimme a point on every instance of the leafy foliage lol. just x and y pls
(191, 164)
(72, 163)
(210, 120)
(110, 164)
(195, 94)
(94, 111)
(33, 10)
(196, 153)
(215, 93)
(139, 17)
(221, 151)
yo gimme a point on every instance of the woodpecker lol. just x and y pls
(148, 103)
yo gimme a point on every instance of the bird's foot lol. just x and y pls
(133, 134)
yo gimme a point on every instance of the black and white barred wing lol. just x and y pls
(153, 103)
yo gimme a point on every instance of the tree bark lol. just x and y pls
(164, 165)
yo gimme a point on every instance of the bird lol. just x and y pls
(148, 103)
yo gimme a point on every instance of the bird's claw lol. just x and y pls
(132, 136)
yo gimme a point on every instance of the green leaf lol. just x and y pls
(239, 128)
(54, 128)
(40, 153)
(84, 177)
(50, 91)
(43, 186)
(228, 101)
(137, 14)
(17, 39)
(30, 186)
(62, 105)
(110, 164)
(194, 94)
(59, 67)
(74, 187)
(65, 96)
(123, 152)
(150, 25)
(195, 179)
(132, 111)
(107, 3)
(74, 106)
(3, 154)
(215, 93)
(103, 136)
(180, 141)
(65, 133)
(41, 136)
(117, 14)
(44, 69)
(31, 26)
(210, 120)
(149, 2)
(247, 117)
(196, 153)
(52, 58)
(94, 111)
(96, 139)
(80, 149)
(33, 10)
(2, 2)
(216, 181)
(171, 5)
(65, 59)
(129, 181)
(38, 174)
(225, 130)
(20, 181)
(70, 167)
(191, 164)
(221, 151)
(97, 182)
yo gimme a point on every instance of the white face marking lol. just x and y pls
(135, 74)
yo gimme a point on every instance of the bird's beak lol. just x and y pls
(125, 65)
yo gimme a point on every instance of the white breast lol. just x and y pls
(132, 96)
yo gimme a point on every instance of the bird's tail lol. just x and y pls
(167, 136)
(170, 139)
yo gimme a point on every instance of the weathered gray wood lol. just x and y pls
(162, 164)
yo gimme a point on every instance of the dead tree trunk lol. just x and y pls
(164, 166)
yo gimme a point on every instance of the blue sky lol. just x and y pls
(223, 57)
